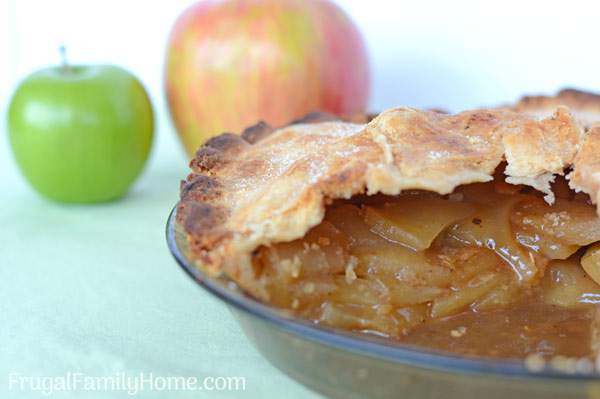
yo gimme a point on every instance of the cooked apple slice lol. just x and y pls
(415, 222)
(406, 295)
(566, 284)
(360, 291)
(323, 251)
(355, 317)
(491, 228)
(298, 294)
(568, 222)
(548, 246)
(378, 319)
(500, 296)
(466, 295)
(399, 264)
(591, 262)
(348, 219)
(471, 262)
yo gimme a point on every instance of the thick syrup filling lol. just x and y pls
(489, 270)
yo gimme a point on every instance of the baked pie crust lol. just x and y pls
(436, 186)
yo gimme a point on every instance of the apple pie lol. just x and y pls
(475, 233)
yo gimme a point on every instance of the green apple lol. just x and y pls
(81, 133)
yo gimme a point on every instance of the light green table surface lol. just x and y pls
(93, 289)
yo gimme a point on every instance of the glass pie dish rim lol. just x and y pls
(363, 345)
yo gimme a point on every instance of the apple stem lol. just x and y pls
(63, 57)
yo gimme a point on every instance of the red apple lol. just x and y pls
(231, 63)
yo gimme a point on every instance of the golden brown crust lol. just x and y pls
(269, 185)
(586, 166)
(257, 132)
(585, 106)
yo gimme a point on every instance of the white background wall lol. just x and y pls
(450, 54)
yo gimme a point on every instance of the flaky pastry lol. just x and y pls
(272, 185)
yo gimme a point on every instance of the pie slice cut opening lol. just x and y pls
(488, 270)
(475, 233)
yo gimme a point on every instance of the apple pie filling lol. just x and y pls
(450, 272)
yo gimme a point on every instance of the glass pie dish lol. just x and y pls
(347, 365)
(414, 254)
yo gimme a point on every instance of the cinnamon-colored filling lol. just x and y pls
(490, 269)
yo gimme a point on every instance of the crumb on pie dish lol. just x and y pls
(475, 233)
